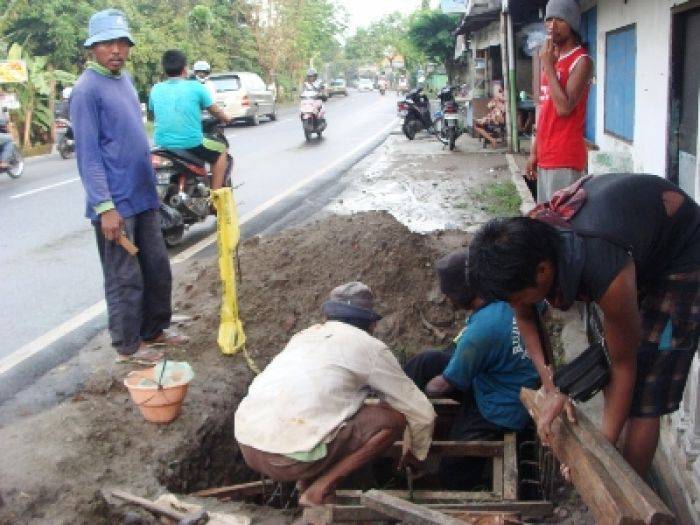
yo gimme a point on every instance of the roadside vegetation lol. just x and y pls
(499, 199)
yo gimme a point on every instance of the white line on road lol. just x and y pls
(50, 337)
(44, 188)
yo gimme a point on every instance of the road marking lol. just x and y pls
(44, 188)
(50, 337)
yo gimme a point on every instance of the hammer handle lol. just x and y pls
(129, 246)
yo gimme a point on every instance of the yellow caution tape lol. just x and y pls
(231, 335)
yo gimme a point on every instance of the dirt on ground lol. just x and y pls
(54, 464)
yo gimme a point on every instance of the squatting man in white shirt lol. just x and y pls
(305, 418)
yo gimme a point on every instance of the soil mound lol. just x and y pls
(99, 440)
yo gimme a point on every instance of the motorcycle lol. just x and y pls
(313, 114)
(66, 144)
(415, 110)
(15, 163)
(184, 185)
(450, 127)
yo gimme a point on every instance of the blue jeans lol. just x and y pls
(137, 288)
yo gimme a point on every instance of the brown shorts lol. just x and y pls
(356, 431)
(663, 372)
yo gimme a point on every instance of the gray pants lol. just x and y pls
(550, 181)
(6, 146)
(137, 288)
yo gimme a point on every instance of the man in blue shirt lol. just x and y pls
(484, 369)
(114, 162)
(177, 105)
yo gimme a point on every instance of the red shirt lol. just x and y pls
(560, 139)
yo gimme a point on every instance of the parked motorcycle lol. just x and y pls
(66, 144)
(313, 114)
(415, 110)
(450, 127)
(184, 185)
(15, 163)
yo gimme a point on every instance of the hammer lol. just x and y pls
(199, 517)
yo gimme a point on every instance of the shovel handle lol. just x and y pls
(129, 246)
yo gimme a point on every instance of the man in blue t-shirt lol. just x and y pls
(484, 369)
(177, 105)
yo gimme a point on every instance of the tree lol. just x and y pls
(430, 33)
(36, 93)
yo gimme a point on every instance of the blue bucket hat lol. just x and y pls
(109, 24)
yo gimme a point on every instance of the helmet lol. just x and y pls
(311, 72)
(201, 65)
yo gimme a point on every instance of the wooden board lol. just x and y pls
(482, 449)
(510, 467)
(609, 486)
(405, 511)
(326, 514)
(426, 495)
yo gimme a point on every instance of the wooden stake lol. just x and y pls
(609, 486)
(129, 246)
(405, 511)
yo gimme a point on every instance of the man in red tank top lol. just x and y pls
(558, 157)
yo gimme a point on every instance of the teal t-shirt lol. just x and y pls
(177, 105)
(490, 358)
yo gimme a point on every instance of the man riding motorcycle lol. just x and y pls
(312, 82)
(177, 104)
(202, 70)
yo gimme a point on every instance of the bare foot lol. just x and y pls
(168, 338)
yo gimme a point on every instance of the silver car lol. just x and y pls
(244, 96)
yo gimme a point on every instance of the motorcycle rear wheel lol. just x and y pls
(16, 167)
(63, 148)
(452, 135)
(174, 236)
(410, 129)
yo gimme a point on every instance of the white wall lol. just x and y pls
(653, 20)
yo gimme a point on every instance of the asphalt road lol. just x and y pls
(48, 259)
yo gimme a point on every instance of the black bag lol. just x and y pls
(586, 375)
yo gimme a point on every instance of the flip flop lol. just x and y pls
(143, 356)
(168, 338)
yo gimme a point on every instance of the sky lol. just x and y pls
(363, 12)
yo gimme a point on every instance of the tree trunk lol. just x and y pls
(52, 109)
(26, 139)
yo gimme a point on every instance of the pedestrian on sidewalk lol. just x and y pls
(114, 162)
(630, 243)
(305, 418)
(558, 155)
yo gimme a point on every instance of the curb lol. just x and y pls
(517, 177)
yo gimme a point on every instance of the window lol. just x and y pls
(228, 83)
(620, 65)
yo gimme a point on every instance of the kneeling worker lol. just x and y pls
(304, 418)
(484, 370)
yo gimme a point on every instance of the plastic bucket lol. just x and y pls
(157, 403)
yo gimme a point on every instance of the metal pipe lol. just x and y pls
(511, 77)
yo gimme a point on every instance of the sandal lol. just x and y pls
(168, 338)
(143, 356)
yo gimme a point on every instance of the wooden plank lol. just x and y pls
(405, 511)
(321, 515)
(606, 483)
(482, 449)
(510, 467)
(234, 491)
(426, 495)
(487, 518)
(497, 474)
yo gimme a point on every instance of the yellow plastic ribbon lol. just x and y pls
(231, 337)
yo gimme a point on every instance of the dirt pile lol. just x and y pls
(54, 462)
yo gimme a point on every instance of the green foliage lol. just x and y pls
(429, 31)
(499, 199)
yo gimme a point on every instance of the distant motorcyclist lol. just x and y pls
(313, 83)
(6, 143)
(177, 104)
(202, 70)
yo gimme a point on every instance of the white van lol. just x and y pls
(244, 96)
